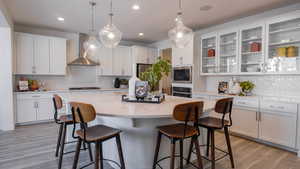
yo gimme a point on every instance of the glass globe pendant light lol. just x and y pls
(110, 35)
(92, 43)
(181, 35)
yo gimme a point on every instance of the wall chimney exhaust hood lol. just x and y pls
(83, 59)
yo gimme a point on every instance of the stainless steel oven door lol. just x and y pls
(182, 75)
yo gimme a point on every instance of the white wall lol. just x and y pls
(6, 89)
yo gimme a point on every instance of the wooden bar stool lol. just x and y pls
(63, 121)
(188, 112)
(224, 107)
(83, 114)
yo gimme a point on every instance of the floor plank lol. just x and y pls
(32, 147)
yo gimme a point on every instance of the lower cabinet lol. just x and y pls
(31, 108)
(279, 128)
(244, 122)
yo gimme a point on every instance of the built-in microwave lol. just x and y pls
(182, 74)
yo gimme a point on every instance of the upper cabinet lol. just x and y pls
(183, 56)
(40, 55)
(267, 47)
(115, 62)
(283, 40)
(252, 45)
(144, 55)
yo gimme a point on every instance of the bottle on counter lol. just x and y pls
(132, 81)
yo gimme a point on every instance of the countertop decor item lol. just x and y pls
(141, 89)
(155, 73)
(123, 83)
(247, 87)
(155, 99)
(223, 87)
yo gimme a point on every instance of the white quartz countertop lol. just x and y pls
(110, 104)
(286, 99)
(71, 91)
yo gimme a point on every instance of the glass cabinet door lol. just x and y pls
(209, 55)
(228, 53)
(252, 55)
(283, 46)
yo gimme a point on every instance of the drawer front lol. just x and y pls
(279, 106)
(34, 96)
(254, 103)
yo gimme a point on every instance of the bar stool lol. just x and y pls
(224, 107)
(188, 112)
(83, 114)
(63, 121)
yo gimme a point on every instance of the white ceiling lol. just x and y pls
(154, 19)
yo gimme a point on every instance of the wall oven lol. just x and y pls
(182, 91)
(182, 74)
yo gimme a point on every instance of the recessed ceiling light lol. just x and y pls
(136, 7)
(60, 19)
(141, 34)
(205, 8)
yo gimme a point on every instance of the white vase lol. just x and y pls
(131, 83)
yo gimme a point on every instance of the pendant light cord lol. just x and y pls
(111, 12)
(180, 7)
(93, 5)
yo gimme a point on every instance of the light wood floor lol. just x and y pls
(32, 147)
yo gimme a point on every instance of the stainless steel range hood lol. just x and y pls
(83, 59)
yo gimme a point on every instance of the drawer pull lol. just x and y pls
(36, 96)
(241, 102)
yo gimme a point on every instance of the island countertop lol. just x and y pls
(110, 104)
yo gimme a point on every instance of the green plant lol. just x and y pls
(247, 86)
(155, 73)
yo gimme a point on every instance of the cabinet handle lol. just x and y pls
(256, 116)
(241, 102)
(37, 105)
(259, 116)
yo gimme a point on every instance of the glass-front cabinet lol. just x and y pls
(228, 52)
(252, 49)
(283, 45)
(208, 52)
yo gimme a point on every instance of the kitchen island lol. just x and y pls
(138, 121)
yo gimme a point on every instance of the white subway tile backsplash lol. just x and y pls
(269, 85)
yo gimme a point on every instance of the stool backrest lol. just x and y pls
(58, 104)
(82, 112)
(224, 106)
(188, 112)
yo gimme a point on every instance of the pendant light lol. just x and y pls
(181, 35)
(110, 35)
(92, 43)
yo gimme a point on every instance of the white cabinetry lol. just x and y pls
(144, 55)
(34, 107)
(41, 55)
(183, 56)
(115, 62)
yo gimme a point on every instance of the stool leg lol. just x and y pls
(207, 142)
(101, 155)
(119, 145)
(181, 153)
(213, 162)
(90, 152)
(229, 146)
(156, 150)
(62, 145)
(172, 160)
(97, 155)
(58, 139)
(199, 158)
(190, 152)
(76, 157)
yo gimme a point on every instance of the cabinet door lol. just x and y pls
(45, 109)
(24, 53)
(42, 55)
(177, 58)
(209, 51)
(141, 54)
(279, 128)
(152, 55)
(26, 110)
(106, 62)
(118, 57)
(244, 122)
(58, 56)
(127, 62)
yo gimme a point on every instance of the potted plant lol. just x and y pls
(247, 87)
(155, 73)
